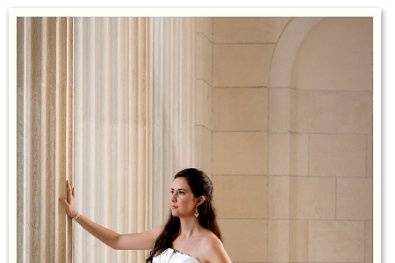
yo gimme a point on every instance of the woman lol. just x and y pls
(190, 235)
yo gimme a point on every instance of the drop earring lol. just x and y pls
(196, 214)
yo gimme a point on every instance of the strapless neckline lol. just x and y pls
(170, 255)
(182, 253)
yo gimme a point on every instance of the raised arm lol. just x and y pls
(135, 241)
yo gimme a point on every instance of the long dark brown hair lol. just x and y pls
(200, 184)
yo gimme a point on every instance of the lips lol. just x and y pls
(173, 207)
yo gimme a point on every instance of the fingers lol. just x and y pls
(67, 186)
(69, 191)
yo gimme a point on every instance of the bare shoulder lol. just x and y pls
(214, 251)
(210, 239)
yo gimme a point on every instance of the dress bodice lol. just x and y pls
(173, 256)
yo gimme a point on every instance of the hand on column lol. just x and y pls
(68, 203)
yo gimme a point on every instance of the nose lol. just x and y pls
(174, 197)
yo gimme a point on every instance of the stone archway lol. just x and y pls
(286, 50)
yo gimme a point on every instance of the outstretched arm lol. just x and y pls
(135, 241)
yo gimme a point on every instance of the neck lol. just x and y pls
(189, 227)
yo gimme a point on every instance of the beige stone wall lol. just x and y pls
(243, 48)
(203, 91)
(292, 165)
(332, 108)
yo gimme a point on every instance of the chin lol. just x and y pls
(173, 213)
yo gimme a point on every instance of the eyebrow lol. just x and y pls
(178, 189)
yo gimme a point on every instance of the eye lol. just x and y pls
(182, 192)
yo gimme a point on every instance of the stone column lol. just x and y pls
(44, 137)
(113, 144)
(174, 104)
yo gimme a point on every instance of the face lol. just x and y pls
(182, 201)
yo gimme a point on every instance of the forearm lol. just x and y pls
(106, 235)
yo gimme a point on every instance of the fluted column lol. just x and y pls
(132, 116)
(45, 138)
(174, 104)
(113, 131)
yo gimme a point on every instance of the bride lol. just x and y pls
(190, 235)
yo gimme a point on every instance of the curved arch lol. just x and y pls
(286, 49)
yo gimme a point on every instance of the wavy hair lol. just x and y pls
(200, 184)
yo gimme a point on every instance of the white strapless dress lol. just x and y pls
(173, 256)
